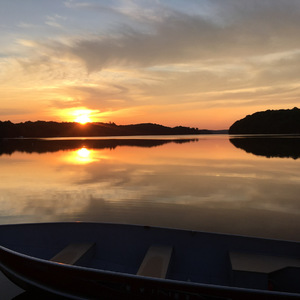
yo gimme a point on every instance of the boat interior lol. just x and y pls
(163, 253)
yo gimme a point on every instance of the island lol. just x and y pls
(44, 129)
(283, 121)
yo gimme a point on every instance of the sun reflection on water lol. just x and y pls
(81, 156)
(83, 153)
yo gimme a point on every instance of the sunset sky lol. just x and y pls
(198, 63)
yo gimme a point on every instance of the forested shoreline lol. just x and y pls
(72, 129)
(283, 121)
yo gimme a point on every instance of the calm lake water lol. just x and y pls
(240, 185)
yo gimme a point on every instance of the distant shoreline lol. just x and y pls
(45, 129)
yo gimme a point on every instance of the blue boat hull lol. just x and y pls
(200, 265)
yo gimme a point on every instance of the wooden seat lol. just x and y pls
(156, 262)
(251, 270)
(260, 263)
(72, 253)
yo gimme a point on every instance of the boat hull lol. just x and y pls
(80, 282)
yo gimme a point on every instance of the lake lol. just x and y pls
(230, 184)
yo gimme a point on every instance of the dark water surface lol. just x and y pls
(240, 185)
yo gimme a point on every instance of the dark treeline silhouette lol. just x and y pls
(9, 146)
(269, 122)
(72, 129)
(288, 147)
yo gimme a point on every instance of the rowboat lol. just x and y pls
(116, 261)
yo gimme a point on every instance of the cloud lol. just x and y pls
(282, 69)
(237, 29)
(104, 96)
(27, 25)
(55, 20)
(14, 111)
(141, 10)
(240, 28)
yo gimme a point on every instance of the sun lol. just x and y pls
(82, 116)
(83, 119)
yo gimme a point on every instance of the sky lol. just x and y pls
(197, 63)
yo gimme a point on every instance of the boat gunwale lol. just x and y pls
(212, 233)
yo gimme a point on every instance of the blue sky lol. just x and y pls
(201, 63)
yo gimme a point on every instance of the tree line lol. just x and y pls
(72, 129)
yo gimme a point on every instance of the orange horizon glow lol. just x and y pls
(217, 118)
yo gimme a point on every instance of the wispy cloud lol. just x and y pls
(55, 20)
(182, 38)
(27, 25)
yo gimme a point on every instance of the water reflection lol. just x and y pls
(9, 146)
(205, 185)
(270, 146)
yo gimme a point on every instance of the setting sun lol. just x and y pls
(82, 116)
(83, 119)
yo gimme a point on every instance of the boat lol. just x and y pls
(81, 260)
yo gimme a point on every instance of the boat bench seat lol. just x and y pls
(250, 262)
(250, 270)
(72, 253)
(156, 262)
